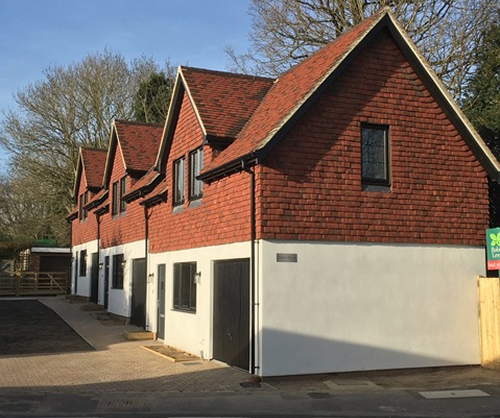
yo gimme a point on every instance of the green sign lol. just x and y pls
(493, 248)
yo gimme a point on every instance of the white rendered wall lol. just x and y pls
(191, 332)
(345, 307)
(83, 287)
(119, 301)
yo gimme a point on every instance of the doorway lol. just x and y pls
(232, 312)
(138, 314)
(106, 282)
(94, 278)
(160, 331)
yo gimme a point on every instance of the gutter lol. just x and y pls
(229, 167)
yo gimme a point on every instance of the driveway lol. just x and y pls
(30, 327)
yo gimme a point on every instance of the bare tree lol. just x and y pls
(286, 31)
(27, 214)
(72, 106)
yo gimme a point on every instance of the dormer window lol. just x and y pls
(195, 166)
(84, 199)
(80, 208)
(123, 185)
(114, 198)
(178, 171)
(118, 190)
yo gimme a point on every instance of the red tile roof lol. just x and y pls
(139, 143)
(94, 161)
(144, 185)
(157, 195)
(289, 92)
(98, 200)
(224, 101)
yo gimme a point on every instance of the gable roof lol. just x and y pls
(222, 102)
(144, 185)
(97, 200)
(297, 89)
(157, 195)
(91, 161)
(138, 145)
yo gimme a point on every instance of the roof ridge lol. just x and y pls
(226, 73)
(137, 123)
(93, 149)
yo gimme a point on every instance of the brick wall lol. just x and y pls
(223, 215)
(123, 227)
(310, 185)
(85, 230)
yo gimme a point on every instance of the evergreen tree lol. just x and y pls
(482, 104)
(152, 98)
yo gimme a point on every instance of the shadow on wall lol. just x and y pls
(294, 354)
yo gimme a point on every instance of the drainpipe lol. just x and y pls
(73, 258)
(98, 218)
(253, 304)
(146, 248)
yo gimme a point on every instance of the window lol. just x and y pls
(375, 155)
(114, 198)
(185, 286)
(118, 267)
(195, 166)
(85, 201)
(178, 197)
(83, 263)
(80, 208)
(123, 184)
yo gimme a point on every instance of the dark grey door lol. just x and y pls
(106, 282)
(138, 315)
(94, 278)
(160, 332)
(232, 312)
(77, 269)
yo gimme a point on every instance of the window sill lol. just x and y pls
(195, 203)
(376, 188)
(177, 209)
(188, 311)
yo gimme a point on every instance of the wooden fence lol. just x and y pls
(29, 283)
(489, 320)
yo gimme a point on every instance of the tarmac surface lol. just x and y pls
(110, 376)
(30, 327)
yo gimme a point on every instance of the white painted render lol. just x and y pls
(120, 299)
(339, 307)
(83, 287)
(345, 307)
(191, 332)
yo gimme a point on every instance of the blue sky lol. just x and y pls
(36, 34)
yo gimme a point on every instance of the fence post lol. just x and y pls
(489, 321)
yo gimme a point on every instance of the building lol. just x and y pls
(330, 220)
